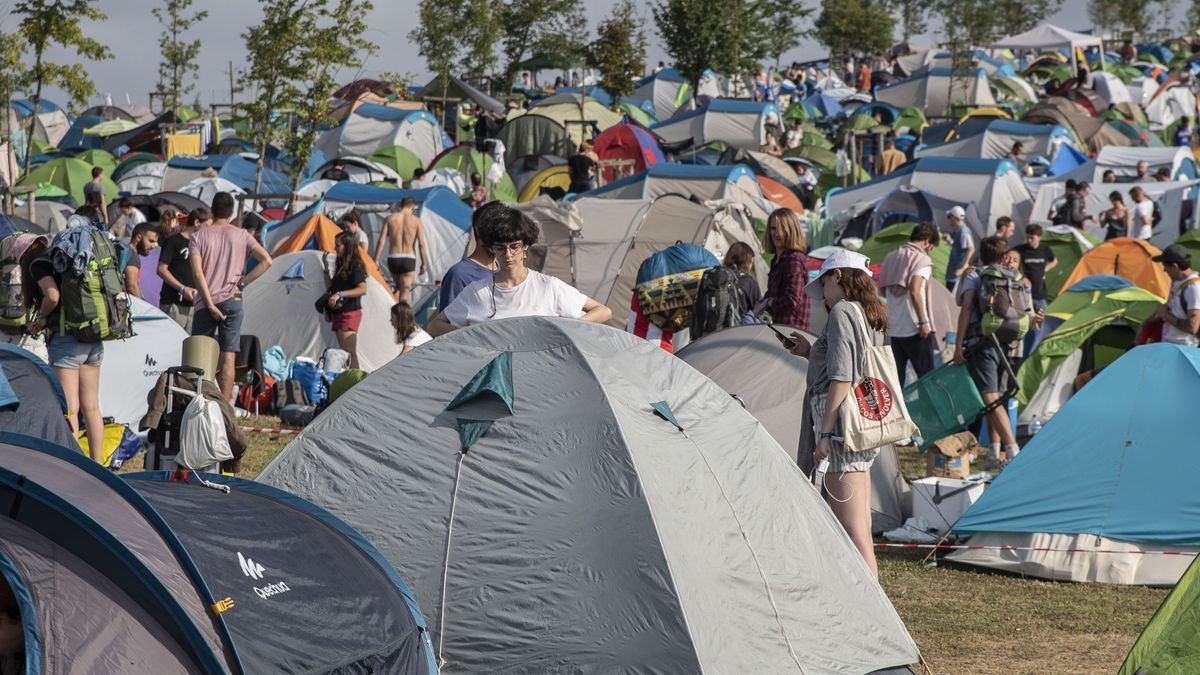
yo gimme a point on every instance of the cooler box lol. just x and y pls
(942, 501)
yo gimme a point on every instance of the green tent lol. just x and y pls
(384, 184)
(400, 159)
(636, 114)
(862, 122)
(100, 158)
(70, 174)
(822, 157)
(1105, 319)
(41, 148)
(796, 111)
(466, 159)
(814, 139)
(912, 118)
(1191, 241)
(48, 191)
(890, 238)
(131, 160)
(1069, 245)
(1170, 643)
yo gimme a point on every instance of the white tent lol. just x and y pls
(1111, 88)
(1175, 199)
(372, 127)
(936, 90)
(205, 188)
(143, 179)
(739, 124)
(1046, 36)
(1169, 106)
(724, 182)
(279, 311)
(131, 367)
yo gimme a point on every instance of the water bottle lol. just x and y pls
(1036, 425)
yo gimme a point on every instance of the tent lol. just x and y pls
(1171, 103)
(667, 91)
(534, 134)
(398, 159)
(37, 406)
(131, 367)
(583, 117)
(597, 245)
(205, 189)
(1047, 37)
(361, 170)
(1069, 244)
(1111, 88)
(525, 168)
(1124, 161)
(1088, 326)
(144, 570)
(553, 181)
(70, 174)
(466, 160)
(236, 169)
(779, 194)
(130, 161)
(908, 204)
(1176, 200)
(628, 142)
(936, 90)
(279, 311)
(132, 112)
(995, 185)
(736, 184)
(749, 363)
(1124, 257)
(372, 127)
(1168, 644)
(1112, 441)
(454, 90)
(78, 137)
(996, 139)
(739, 124)
(1092, 134)
(590, 436)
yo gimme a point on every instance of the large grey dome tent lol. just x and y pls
(159, 573)
(750, 364)
(566, 497)
(31, 399)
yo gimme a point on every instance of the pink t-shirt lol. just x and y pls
(223, 250)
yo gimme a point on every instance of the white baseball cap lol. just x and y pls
(956, 212)
(840, 259)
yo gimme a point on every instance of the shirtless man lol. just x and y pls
(405, 234)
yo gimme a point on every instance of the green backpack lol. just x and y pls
(93, 305)
(1004, 305)
(13, 315)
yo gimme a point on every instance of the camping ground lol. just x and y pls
(963, 621)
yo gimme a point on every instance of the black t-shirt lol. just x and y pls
(358, 274)
(749, 292)
(580, 168)
(174, 254)
(1033, 266)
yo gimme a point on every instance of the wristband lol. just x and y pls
(828, 436)
(922, 323)
(341, 296)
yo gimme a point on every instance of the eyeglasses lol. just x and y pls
(501, 249)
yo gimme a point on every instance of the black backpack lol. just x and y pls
(717, 302)
(1156, 217)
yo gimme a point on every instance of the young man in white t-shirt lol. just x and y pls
(909, 319)
(1141, 223)
(1181, 313)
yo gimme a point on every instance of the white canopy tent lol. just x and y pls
(1047, 36)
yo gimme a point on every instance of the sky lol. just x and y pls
(132, 33)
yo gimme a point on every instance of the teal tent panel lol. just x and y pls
(663, 410)
(470, 431)
(494, 379)
(1119, 460)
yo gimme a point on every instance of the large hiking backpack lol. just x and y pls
(13, 314)
(93, 305)
(717, 303)
(1004, 306)
(667, 301)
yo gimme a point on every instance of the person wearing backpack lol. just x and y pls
(740, 258)
(1181, 313)
(14, 313)
(996, 314)
(1142, 222)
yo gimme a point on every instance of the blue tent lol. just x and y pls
(1067, 159)
(31, 399)
(822, 105)
(1117, 461)
(237, 170)
(74, 137)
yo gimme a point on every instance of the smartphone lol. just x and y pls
(787, 341)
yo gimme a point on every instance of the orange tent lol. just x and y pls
(1128, 258)
(779, 194)
(321, 231)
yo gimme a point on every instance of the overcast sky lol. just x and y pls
(131, 32)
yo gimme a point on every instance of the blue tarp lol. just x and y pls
(1067, 159)
(438, 199)
(74, 137)
(676, 259)
(730, 172)
(1099, 282)
(237, 170)
(1118, 460)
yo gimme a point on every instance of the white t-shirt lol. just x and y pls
(902, 318)
(1143, 215)
(1191, 299)
(361, 238)
(418, 338)
(123, 226)
(538, 295)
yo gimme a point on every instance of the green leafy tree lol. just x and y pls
(783, 33)
(555, 29)
(1017, 16)
(848, 27)
(333, 42)
(272, 71)
(178, 68)
(912, 17)
(44, 24)
(13, 77)
(619, 50)
(435, 38)
(732, 37)
(480, 33)
(1134, 15)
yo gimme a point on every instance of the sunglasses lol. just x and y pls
(501, 249)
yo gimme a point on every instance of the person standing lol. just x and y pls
(481, 264)
(127, 219)
(143, 241)
(1141, 221)
(345, 288)
(1037, 259)
(962, 246)
(479, 194)
(1005, 228)
(405, 234)
(582, 169)
(1116, 221)
(352, 222)
(96, 187)
(740, 258)
(1181, 313)
(905, 276)
(785, 300)
(857, 321)
(178, 283)
(891, 159)
(1143, 172)
(218, 255)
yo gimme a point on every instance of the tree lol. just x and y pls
(732, 37)
(1192, 19)
(13, 77)
(1134, 15)
(272, 71)
(783, 32)
(178, 67)
(333, 41)
(480, 31)
(912, 16)
(44, 24)
(619, 50)
(555, 29)
(1017, 16)
(849, 27)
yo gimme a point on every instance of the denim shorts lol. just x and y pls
(69, 353)
(227, 332)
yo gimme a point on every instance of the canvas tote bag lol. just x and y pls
(874, 413)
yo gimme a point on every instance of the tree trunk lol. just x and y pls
(37, 101)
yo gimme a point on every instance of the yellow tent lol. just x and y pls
(553, 177)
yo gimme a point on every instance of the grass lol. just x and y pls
(963, 621)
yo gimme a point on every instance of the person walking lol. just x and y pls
(962, 246)
(515, 290)
(857, 321)
(1141, 221)
(405, 235)
(1037, 260)
(96, 187)
(785, 300)
(178, 283)
(905, 276)
(345, 288)
(1181, 313)
(143, 241)
(217, 255)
